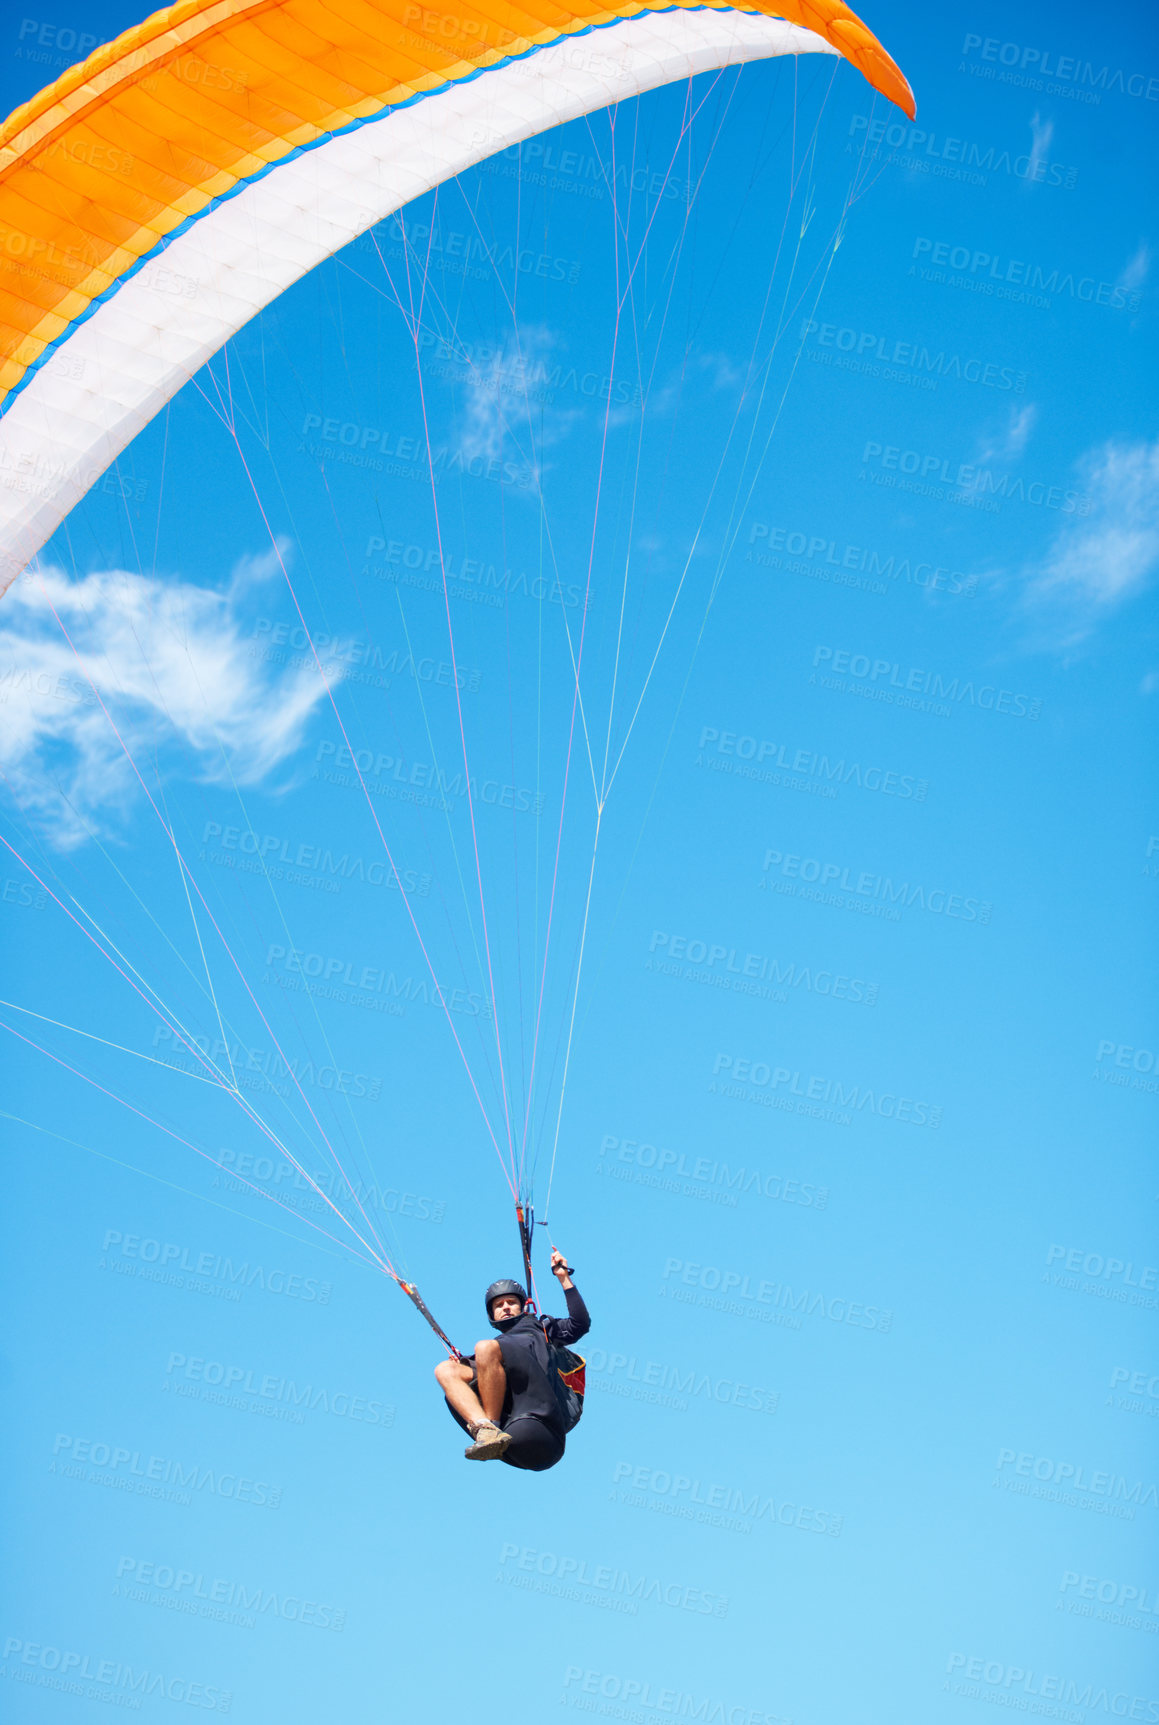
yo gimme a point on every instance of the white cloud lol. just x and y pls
(250, 572)
(502, 392)
(725, 373)
(1137, 269)
(1101, 560)
(1041, 132)
(165, 663)
(485, 411)
(1008, 443)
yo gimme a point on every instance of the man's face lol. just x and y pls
(506, 1306)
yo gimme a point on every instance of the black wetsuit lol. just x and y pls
(531, 1408)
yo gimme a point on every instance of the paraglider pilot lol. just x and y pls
(504, 1396)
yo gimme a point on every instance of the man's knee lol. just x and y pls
(447, 1371)
(488, 1351)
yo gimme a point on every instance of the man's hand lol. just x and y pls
(560, 1268)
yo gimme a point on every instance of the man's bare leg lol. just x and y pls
(455, 1382)
(492, 1379)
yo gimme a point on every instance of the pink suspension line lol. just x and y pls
(415, 321)
(165, 1018)
(382, 1262)
(243, 1102)
(370, 805)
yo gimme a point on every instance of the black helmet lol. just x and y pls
(504, 1286)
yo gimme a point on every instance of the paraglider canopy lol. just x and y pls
(162, 192)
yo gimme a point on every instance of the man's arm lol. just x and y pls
(563, 1331)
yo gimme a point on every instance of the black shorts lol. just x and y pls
(535, 1443)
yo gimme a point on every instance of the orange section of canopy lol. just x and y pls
(104, 163)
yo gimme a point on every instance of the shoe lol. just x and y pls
(489, 1443)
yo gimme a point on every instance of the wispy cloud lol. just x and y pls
(1137, 269)
(1041, 132)
(156, 665)
(1010, 439)
(502, 393)
(487, 406)
(1099, 562)
(724, 373)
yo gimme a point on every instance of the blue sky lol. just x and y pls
(853, 1156)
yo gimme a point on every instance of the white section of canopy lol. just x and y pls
(116, 370)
